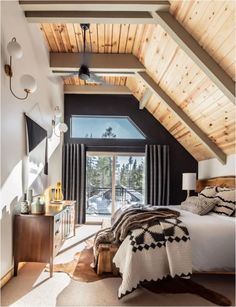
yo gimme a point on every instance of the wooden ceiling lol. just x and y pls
(212, 24)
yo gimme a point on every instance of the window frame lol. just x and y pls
(114, 155)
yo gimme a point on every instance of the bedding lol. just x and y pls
(225, 202)
(212, 244)
(212, 240)
(154, 244)
(208, 192)
(152, 253)
(128, 218)
(198, 205)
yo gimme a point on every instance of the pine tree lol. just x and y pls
(108, 133)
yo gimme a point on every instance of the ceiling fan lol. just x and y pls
(84, 73)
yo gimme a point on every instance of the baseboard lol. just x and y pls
(215, 273)
(9, 275)
(93, 223)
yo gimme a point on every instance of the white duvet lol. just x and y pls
(213, 240)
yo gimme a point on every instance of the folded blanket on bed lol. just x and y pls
(153, 252)
(154, 244)
(129, 218)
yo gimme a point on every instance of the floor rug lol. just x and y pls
(79, 269)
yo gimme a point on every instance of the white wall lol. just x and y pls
(39, 106)
(213, 168)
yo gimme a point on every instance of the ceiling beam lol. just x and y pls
(92, 17)
(98, 73)
(91, 5)
(146, 96)
(90, 11)
(186, 42)
(120, 63)
(212, 147)
(97, 89)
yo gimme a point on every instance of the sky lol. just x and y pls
(124, 159)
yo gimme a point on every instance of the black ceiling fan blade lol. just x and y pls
(96, 79)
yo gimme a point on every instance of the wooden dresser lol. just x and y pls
(38, 238)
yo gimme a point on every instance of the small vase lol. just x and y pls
(24, 206)
(38, 207)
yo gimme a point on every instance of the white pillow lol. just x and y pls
(220, 189)
(208, 192)
(198, 205)
(225, 202)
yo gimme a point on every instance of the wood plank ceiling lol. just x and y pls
(212, 24)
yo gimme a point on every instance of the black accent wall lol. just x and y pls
(127, 105)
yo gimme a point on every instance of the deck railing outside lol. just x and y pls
(99, 199)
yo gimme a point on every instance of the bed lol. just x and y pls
(212, 237)
(213, 241)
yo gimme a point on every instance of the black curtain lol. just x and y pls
(157, 175)
(46, 157)
(74, 177)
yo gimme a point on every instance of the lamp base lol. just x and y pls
(188, 194)
(8, 70)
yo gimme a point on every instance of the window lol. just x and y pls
(113, 180)
(99, 127)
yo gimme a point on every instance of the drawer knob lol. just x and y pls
(57, 232)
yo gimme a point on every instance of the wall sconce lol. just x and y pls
(60, 127)
(27, 82)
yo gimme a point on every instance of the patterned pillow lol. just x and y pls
(198, 205)
(208, 192)
(225, 202)
(220, 189)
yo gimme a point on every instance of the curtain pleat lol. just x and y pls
(73, 177)
(46, 157)
(157, 175)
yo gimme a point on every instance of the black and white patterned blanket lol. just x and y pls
(152, 252)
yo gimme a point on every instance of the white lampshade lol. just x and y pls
(57, 112)
(189, 181)
(14, 49)
(28, 83)
(62, 127)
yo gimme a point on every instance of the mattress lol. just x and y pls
(213, 240)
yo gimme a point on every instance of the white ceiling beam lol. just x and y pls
(119, 63)
(186, 42)
(98, 73)
(146, 96)
(92, 17)
(97, 5)
(97, 89)
(212, 147)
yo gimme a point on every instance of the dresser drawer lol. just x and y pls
(57, 233)
(57, 221)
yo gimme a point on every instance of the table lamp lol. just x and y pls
(189, 182)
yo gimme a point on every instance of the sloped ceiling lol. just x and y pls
(212, 24)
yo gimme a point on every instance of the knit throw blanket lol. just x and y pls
(154, 244)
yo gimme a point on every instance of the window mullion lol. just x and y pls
(113, 183)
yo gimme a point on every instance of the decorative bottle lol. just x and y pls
(24, 205)
(58, 192)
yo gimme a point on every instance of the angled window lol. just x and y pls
(99, 127)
